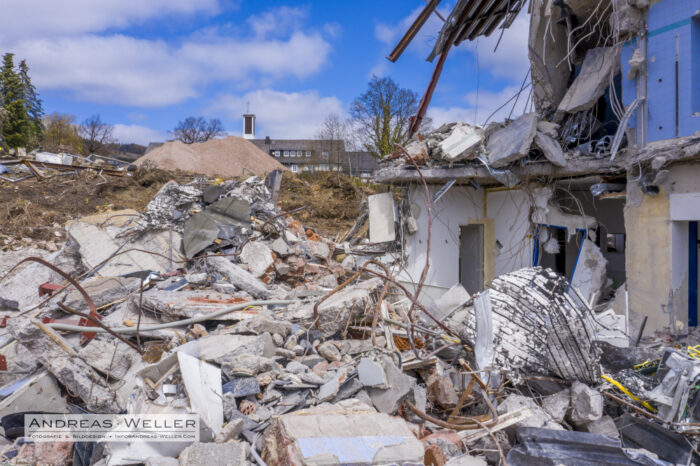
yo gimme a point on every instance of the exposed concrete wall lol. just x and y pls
(648, 256)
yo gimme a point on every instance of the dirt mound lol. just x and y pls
(227, 157)
(332, 199)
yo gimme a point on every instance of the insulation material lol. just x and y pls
(537, 326)
(381, 218)
(590, 275)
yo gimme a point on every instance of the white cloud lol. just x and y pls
(48, 18)
(124, 70)
(277, 21)
(127, 134)
(486, 103)
(422, 43)
(279, 115)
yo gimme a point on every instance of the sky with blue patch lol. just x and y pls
(143, 65)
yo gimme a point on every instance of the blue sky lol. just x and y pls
(143, 65)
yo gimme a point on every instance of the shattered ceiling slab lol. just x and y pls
(599, 66)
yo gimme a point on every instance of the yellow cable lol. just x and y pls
(627, 392)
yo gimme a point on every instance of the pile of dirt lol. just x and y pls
(332, 200)
(33, 212)
(228, 157)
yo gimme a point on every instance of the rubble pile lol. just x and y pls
(214, 302)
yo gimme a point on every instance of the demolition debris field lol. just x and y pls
(35, 211)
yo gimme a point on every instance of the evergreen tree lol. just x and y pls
(32, 104)
(17, 127)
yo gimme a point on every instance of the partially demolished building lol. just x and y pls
(598, 183)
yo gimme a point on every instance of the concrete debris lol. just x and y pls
(284, 352)
(462, 142)
(513, 141)
(599, 66)
(215, 454)
(346, 433)
(551, 149)
(586, 404)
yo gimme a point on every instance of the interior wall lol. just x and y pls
(459, 206)
(510, 211)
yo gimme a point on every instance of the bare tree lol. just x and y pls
(96, 134)
(197, 129)
(383, 114)
(336, 136)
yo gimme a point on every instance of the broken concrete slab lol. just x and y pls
(513, 141)
(400, 386)
(56, 355)
(351, 302)
(214, 454)
(203, 386)
(230, 431)
(102, 290)
(175, 305)
(599, 66)
(238, 277)
(551, 149)
(603, 426)
(348, 432)
(538, 416)
(462, 143)
(38, 392)
(96, 237)
(371, 374)
(548, 128)
(281, 248)
(586, 404)
(591, 273)
(557, 405)
(257, 257)
(450, 301)
(111, 357)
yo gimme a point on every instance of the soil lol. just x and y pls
(332, 200)
(33, 212)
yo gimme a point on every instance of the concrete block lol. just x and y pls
(238, 277)
(551, 149)
(102, 290)
(348, 432)
(512, 142)
(462, 143)
(400, 386)
(586, 404)
(230, 431)
(599, 64)
(281, 248)
(111, 357)
(604, 426)
(257, 257)
(557, 405)
(371, 374)
(214, 454)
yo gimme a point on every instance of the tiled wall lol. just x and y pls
(670, 22)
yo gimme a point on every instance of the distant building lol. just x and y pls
(317, 155)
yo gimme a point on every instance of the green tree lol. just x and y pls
(17, 127)
(383, 114)
(32, 104)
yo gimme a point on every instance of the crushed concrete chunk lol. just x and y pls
(214, 454)
(280, 247)
(538, 418)
(230, 431)
(462, 143)
(548, 128)
(71, 371)
(586, 404)
(348, 432)
(257, 256)
(111, 357)
(371, 374)
(400, 386)
(512, 142)
(238, 277)
(102, 290)
(551, 149)
(557, 405)
(604, 426)
(173, 305)
(599, 66)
